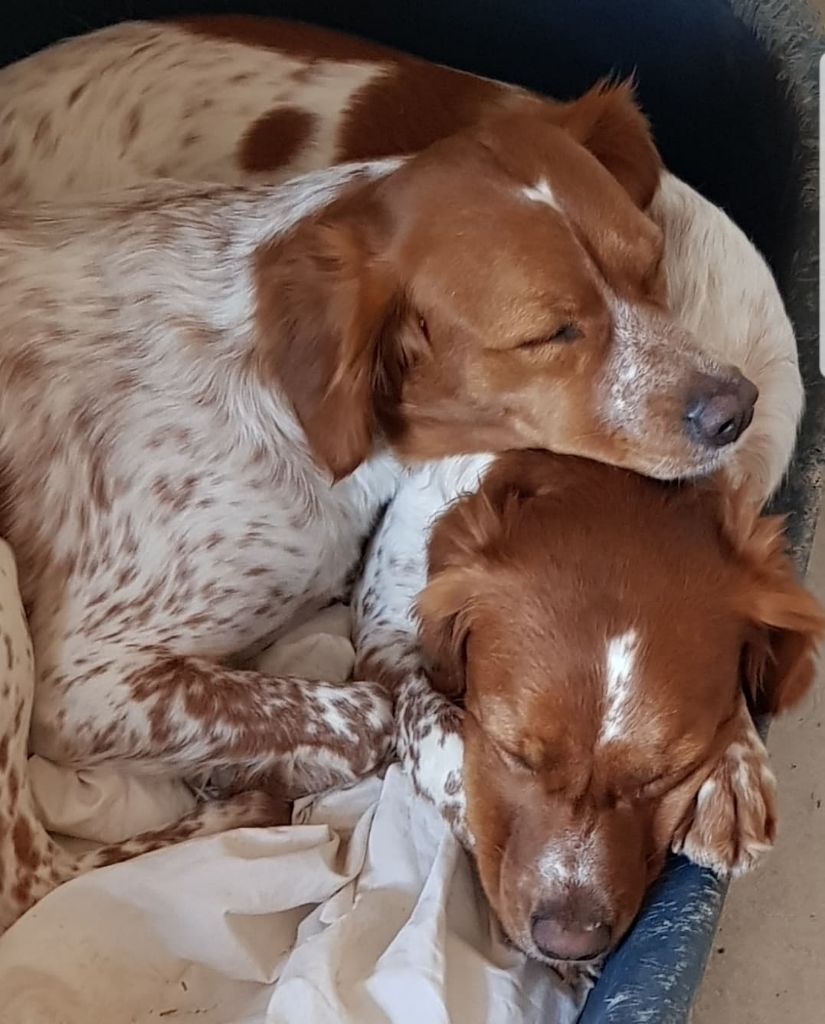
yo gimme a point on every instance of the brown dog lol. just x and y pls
(598, 628)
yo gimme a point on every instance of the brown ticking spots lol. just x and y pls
(76, 93)
(24, 849)
(131, 126)
(43, 130)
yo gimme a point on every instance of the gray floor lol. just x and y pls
(768, 960)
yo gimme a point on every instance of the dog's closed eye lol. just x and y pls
(564, 333)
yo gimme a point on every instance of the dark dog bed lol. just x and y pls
(731, 89)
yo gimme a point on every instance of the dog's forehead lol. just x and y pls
(552, 168)
(504, 217)
(508, 275)
(459, 200)
(615, 619)
(638, 692)
(665, 696)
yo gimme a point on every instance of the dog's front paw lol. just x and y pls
(733, 822)
(430, 745)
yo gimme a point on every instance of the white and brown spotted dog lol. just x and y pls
(239, 99)
(171, 549)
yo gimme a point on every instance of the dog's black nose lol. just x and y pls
(570, 941)
(572, 927)
(720, 411)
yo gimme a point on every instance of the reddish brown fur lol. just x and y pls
(383, 326)
(275, 139)
(529, 579)
(413, 105)
(409, 104)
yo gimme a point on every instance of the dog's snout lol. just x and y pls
(719, 411)
(571, 929)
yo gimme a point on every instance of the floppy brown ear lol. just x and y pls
(780, 656)
(607, 121)
(461, 549)
(329, 318)
(445, 612)
(787, 621)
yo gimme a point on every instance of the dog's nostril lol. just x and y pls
(568, 941)
(728, 431)
(721, 412)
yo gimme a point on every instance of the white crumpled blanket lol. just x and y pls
(364, 910)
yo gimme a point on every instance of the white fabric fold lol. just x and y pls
(364, 911)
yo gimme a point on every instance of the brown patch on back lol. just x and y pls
(412, 106)
(275, 139)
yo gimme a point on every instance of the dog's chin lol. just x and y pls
(572, 972)
(703, 464)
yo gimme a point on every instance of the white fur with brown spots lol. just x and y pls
(31, 862)
(140, 101)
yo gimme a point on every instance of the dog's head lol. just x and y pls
(598, 626)
(503, 289)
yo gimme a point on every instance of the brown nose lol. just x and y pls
(720, 410)
(561, 935)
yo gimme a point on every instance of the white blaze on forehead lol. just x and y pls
(620, 663)
(541, 193)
